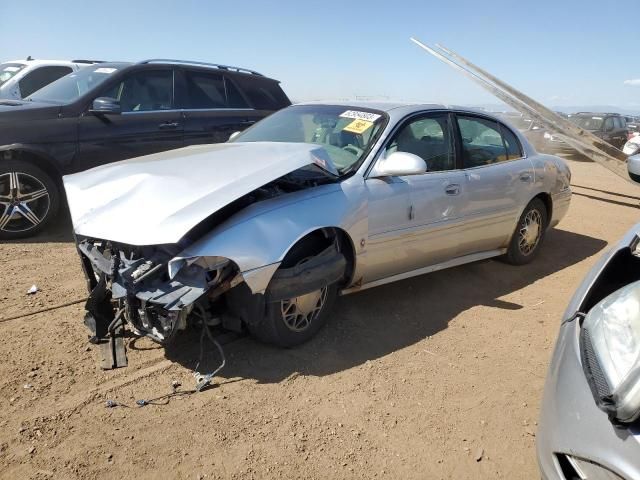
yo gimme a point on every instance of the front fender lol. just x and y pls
(258, 238)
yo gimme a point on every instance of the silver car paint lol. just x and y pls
(570, 421)
(396, 225)
(185, 185)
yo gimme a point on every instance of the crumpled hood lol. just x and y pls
(158, 198)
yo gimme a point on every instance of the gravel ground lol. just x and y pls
(438, 376)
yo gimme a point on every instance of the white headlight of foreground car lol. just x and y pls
(610, 346)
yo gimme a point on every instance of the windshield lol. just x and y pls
(346, 133)
(72, 86)
(8, 70)
(588, 123)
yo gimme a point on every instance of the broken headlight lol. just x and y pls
(208, 263)
(610, 346)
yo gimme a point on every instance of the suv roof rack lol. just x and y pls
(214, 65)
(88, 61)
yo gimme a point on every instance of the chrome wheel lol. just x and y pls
(530, 232)
(24, 202)
(299, 313)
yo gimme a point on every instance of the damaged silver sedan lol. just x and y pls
(262, 233)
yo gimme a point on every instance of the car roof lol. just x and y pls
(401, 108)
(43, 62)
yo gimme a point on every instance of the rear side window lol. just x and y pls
(262, 93)
(482, 142)
(511, 142)
(205, 90)
(608, 124)
(41, 77)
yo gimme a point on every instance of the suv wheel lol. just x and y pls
(29, 199)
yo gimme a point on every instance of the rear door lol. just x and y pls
(498, 183)
(149, 122)
(213, 106)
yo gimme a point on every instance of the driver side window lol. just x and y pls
(144, 91)
(429, 138)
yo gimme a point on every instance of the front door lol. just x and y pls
(415, 223)
(149, 121)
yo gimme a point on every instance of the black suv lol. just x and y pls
(112, 111)
(611, 127)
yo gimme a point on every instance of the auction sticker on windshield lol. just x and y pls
(105, 70)
(358, 126)
(355, 114)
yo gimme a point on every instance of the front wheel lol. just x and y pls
(526, 240)
(291, 322)
(29, 199)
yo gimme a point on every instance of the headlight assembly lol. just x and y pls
(610, 346)
(207, 263)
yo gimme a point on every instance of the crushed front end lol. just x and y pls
(150, 290)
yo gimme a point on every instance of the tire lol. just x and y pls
(278, 326)
(525, 243)
(21, 215)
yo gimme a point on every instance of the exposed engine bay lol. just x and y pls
(156, 293)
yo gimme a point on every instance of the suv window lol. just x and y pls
(608, 124)
(429, 138)
(144, 91)
(263, 94)
(40, 77)
(482, 142)
(212, 90)
(620, 123)
(205, 90)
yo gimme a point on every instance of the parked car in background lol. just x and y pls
(112, 111)
(262, 232)
(611, 127)
(21, 78)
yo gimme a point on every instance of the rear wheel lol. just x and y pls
(527, 239)
(29, 199)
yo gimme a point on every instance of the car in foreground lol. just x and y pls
(21, 78)
(588, 427)
(112, 111)
(261, 233)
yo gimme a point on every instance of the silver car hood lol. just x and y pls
(158, 198)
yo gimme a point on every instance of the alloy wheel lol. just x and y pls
(298, 313)
(24, 202)
(530, 232)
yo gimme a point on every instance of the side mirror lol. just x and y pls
(633, 167)
(233, 135)
(106, 106)
(399, 164)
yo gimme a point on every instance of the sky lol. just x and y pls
(562, 52)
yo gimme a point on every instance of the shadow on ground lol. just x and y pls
(379, 321)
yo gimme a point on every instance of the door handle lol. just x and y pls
(168, 125)
(247, 122)
(452, 189)
(526, 177)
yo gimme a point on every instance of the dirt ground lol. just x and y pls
(438, 376)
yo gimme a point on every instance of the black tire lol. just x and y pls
(32, 180)
(521, 252)
(273, 328)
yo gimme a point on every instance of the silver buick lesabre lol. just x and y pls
(261, 233)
